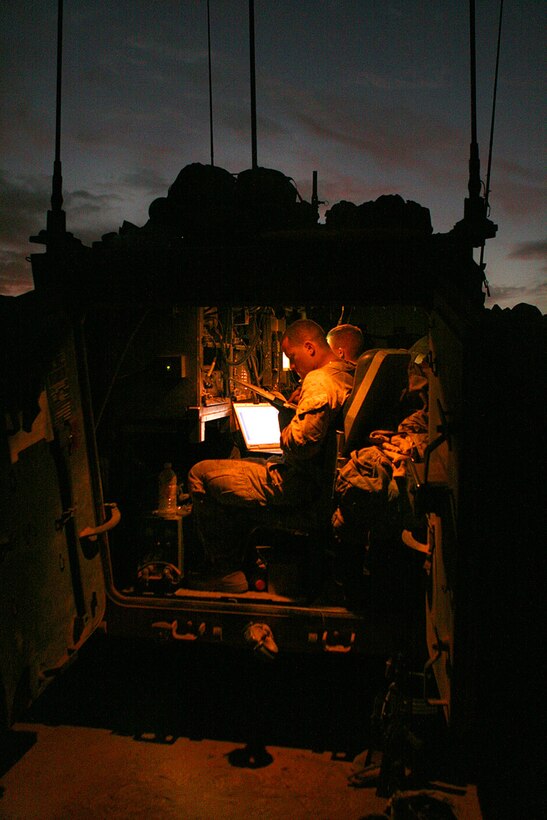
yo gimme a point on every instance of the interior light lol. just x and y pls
(171, 366)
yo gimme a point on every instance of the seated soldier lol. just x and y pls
(230, 496)
(347, 341)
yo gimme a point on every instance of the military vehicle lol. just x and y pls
(121, 360)
(133, 353)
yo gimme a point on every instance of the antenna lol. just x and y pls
(253, 81)
(56, 217)
(56, 221)
(474, 226)
(210, 84)
(474, 184)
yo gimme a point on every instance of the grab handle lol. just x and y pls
(93, 532)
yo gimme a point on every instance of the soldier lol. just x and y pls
(347, 342)
(230, 496)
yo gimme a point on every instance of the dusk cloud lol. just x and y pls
(375, 99)
(530, 250)
(155, 50)
(517, 199)
(23, 202)
(392, 137)
(508, 295)
(509, 167)
(147, 180)
(413, 79)
(15, 273)
(87, 210)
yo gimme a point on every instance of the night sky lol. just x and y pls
(372, 94)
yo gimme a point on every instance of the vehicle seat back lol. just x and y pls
(381, 376)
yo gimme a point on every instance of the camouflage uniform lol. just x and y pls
(230, 496)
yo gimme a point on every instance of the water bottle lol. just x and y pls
(167, 489)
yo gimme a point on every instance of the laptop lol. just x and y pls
(259, 426)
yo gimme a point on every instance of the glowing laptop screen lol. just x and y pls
(259, 425)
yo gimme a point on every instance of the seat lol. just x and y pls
(381, 376)
(294, 545)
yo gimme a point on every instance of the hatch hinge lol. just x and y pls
(66, 515)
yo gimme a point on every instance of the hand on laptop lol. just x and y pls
(287, 402)
(294, 398)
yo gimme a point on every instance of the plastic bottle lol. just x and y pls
(167, 489)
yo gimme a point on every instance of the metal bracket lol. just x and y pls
(172, 629)
(446, 429)
(440, 647)
(426, 494)
(433, 363)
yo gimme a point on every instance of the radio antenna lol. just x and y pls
(475, 226)
(474, 185)
(56, 217)
(210, 84)
(488, 172)
(56, 221)
(253, 81)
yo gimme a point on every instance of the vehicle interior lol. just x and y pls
(179, 387)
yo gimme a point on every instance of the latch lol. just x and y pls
(445, 428)
(93, 532)
(66, 515)
(426, 493)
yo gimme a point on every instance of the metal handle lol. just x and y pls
(93, 532)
